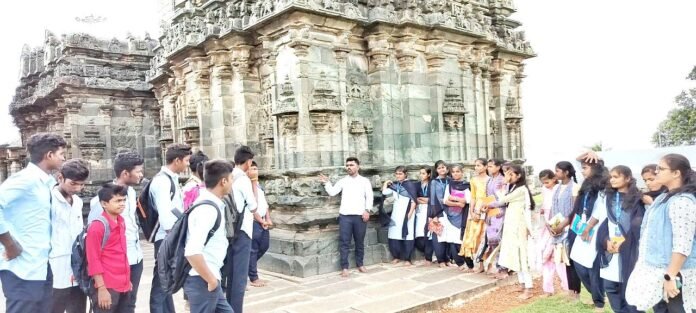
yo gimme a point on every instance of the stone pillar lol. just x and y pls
(222, 103)
(383, 83)
(487, 106)
(106, 110)
(266, 67)
(413, 99)
(246, 89)
(72, 120)
(437, 80)
(198, 134)
(299, 126)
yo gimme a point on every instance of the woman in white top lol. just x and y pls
(401, 227)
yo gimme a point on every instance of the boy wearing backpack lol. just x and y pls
(66, 225)
(128, 167)
(107, 264)
(206, 253)
(169, 203)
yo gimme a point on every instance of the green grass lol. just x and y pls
(560, 304)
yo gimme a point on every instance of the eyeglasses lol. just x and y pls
(660, 168)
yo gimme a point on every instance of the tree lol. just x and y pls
(598, 147)
(679, 128)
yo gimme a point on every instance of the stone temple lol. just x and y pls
(304, 83)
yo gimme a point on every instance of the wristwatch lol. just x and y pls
(667, 277)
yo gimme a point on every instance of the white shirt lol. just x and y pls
(262, 208)
(134, 250)
(584, 252)
(244, 199)
(200, 221)
(66, 225)
(160, 188)
(356, 194)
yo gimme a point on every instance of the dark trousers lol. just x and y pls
(446, 252)
(70, 300)
(236, 270)
(592, 282)
(616, 292)
(351, 227)
(573, 279)
(203, 301)
(259, 245)
(675, 305)
(119, 302)
(136, 271)
(425, 245)
(160, 301)
(401, 249)
(27, 296)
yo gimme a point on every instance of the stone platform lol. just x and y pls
(385, 288)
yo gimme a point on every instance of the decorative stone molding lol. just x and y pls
(324, 97)
(453, 101)
(287, 104)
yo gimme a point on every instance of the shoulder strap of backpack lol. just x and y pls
(172, 188)
(218, 220)
(107, 230)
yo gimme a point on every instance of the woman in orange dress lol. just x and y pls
(475, 225)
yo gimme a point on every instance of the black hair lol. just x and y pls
(437, 164)
(497, 162)
(41, 144)
(353, 159)
(633, 195)
(547, 174)
(254, 164)
(127, 161)
(177, 151)
(402, 169)
(650, 168)
(216, 170)
(197, 161)
(568, 167)
(242, 155)
(75, 170)
(598, 179)
(483, 161)
(110, 190)
(522, 182)
(678, 162)
(428, 171)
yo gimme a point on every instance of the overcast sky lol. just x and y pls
(606, 71)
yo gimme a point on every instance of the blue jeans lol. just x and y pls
(203, 301)
(160, 301)
(259, 245)
(236, 270)
(27, 296)
(592, 282)
(351, 227)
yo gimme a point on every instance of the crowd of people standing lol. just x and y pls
(632, 246)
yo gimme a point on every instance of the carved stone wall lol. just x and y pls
(307, 83)
(94, 93)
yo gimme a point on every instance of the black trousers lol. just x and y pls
(425, 245)
(27, 296)
(160, 301)
(401, 249)
(675, 305)
(351, 227)
(119, 302)
(135, 275)
(573, 278)
(70, 300)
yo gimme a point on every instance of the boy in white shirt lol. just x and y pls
(66, 225)
(206, 258)
(262, 221)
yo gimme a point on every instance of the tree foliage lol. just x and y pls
(679, 128)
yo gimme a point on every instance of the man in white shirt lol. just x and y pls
(260, 240)
(128, 168)
(238, 253)
(168, 205)
(356, 204)
(203, 283)
(66, 225)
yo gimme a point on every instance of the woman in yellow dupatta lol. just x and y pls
(475, 225)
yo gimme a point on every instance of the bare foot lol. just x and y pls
(345, 273)
(408, 263)
(599, 310)
(362, 269)
(395, 261)
(520, 288)
(502, 275)
(258, 283)
(526, 294)
(443, 265)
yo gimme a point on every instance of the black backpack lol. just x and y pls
(233, 219)
(148, 218)
(78, 259)
(172, 266)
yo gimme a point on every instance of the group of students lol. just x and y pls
(604, 233)
(41, 224)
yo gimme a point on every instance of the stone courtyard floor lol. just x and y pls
(385, 288)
